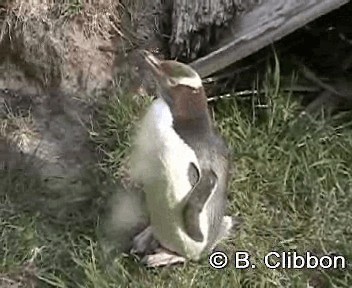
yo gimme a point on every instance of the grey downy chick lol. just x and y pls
(183, 164)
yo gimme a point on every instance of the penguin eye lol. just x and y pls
(171, 81)
(193, 174)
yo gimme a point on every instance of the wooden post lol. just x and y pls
(267, 23)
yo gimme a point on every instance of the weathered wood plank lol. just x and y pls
(193, 22)
(268, 23)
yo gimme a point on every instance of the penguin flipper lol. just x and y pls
(195, 202)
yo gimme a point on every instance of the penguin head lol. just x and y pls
(179, 85)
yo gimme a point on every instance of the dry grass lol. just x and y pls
(18, 131)
(37, 37)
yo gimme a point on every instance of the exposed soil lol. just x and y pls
(55, 63)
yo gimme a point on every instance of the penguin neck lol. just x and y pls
(192, 126)
(196, 125)
(189, 109)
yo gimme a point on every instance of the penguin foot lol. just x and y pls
(144, 243)
(236, 223)
(161, 258)
(229, 227)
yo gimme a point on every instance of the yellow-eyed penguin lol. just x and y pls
(183, 164)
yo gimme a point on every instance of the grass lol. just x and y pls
(291, 186)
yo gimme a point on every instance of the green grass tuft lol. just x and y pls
(113, 130)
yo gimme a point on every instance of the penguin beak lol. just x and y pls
(163, 81)
(153, 63)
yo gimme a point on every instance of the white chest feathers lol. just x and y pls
(160, 162)
(160, 154)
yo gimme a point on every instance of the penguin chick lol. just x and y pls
(182, 163)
